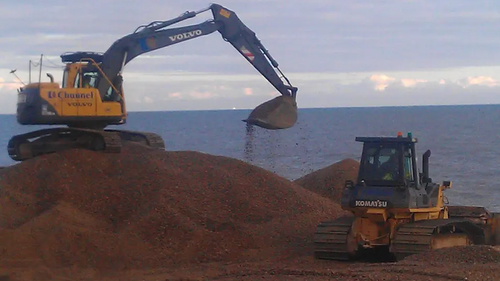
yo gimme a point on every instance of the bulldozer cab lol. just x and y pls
(388, 176)
(398, 210)
(388, 161)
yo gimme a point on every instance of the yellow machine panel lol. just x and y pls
(79, 102)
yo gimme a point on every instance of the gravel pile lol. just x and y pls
(330, 180)
(476, 254)
(145, 207)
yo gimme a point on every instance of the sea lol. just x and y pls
(463, 141)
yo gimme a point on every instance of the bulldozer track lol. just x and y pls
(51, 140)
(416, 237)
(330, 239)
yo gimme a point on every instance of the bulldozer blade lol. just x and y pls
(275, 114)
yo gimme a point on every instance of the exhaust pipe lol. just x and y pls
(275, 114)
(425, 165)
(51, 77)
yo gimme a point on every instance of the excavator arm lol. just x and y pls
(153, 36)
(246, 42)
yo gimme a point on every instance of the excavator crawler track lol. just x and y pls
(46, 141)
(331, 239)
(416, 237)
(150, 139)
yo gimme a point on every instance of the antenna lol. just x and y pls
(40, 73)
(13, 71)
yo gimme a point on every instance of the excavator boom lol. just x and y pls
(278, 113)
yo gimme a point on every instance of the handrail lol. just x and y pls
(110, 83)
(104, 75)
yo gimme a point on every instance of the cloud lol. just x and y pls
(201, 95)
(327, 91)
(381, 81)
(411, 82)
(478, 80)
(10, 85)
(196, 92)
(175, 95)
(2, 82)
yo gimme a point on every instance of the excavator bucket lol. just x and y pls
(275, 114)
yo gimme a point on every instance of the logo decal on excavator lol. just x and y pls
(77, 104)
(151, 42)
(148, 43)
(64, 95)
(247, 53)
(370, 203)
(224, 13)
(185, 35)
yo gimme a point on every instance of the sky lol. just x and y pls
(338, 53)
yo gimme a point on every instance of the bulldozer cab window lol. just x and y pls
(380, 163)
(408, 164)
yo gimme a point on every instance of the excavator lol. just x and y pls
(396, 211)
(91, 96)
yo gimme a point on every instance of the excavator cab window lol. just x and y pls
(65, 77)
(89, 79)
(77, 80)
(111, 94)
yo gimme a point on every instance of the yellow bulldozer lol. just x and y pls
(398, 209)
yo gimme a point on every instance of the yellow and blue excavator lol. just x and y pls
(91, 96)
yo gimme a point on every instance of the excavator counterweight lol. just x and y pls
(91, 96)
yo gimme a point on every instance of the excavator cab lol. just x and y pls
(83, 70)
